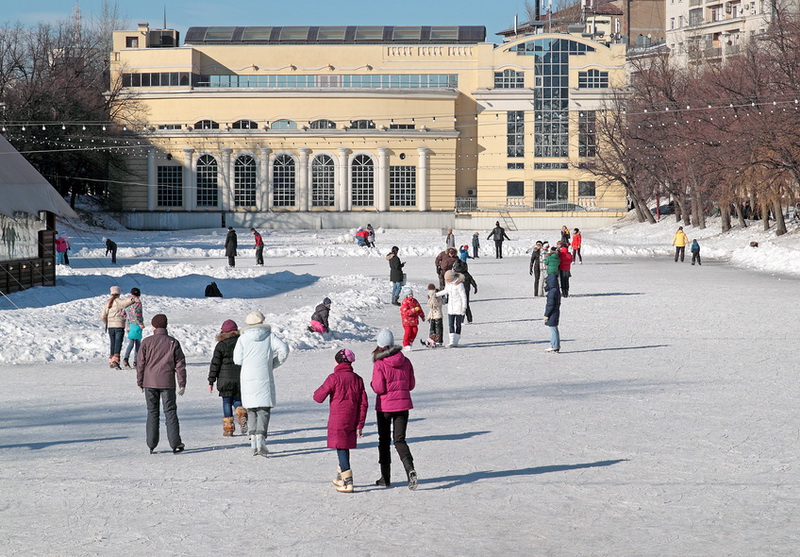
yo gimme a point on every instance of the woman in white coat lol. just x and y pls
(258, 351)
(456, 304)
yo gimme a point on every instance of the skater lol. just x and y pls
(535, 269)
(259, 245)
(61, 249)
(434, 318)
(450, 241)
(111, 247)
(444, 262)
(231, 243)
(476, 245)
(456, 305)
(392, 380)
(498, 234)
(134, 325)
(258, 351)
(371, 237)
(161, 359)
(396, 274)
(695, 249)
(564, 269)
(553, 261)
(679, 241)
(114, 320)
(319, 320)
(348, 412)
(461, 267)
(577, 240)
(545, 252)
(565, 236)
(225, 373)
(463, 253)
(552, 312)
(410, 313)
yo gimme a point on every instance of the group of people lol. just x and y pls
(232, 245)
(365, 237)
(679, 241)
(123, 318)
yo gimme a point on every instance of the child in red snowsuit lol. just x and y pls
(410, 312)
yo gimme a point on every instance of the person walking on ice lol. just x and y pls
(111, 247)
(231, 244)
(225, 374)
(259, 245)
(695, 249)
(679, 241)
(498, 234)
(348, 412)
(456, 305)
(410, 313)
(552, 312)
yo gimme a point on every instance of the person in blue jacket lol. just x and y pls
(695, 249)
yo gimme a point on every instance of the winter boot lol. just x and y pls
(261, 445)
(386, 476)
(227, 427)
(395, 301)
(241, 414)
(113, 361)
(347, 482)
(338, 481)
(126, 364)
(455, 338)
(408, 464)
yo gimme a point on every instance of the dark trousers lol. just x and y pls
(344, 459)
(576, 255)
(113, 255)
(437, 328)
(679, 251)
(537, 273)
(392, 427)
(469, 311)
(696, 257)
(454, 323)
(260, 255)
(498, 249)
(232, 261)
(564, 280)
(169, 402)
(115, 336)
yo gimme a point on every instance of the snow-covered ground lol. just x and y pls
(667, 426)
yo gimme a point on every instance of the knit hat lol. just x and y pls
(449, 276)
(254, 318)
(229, 325)
(115, 290)
(345, 355)
(159, 321)
(385, 338)
(406, 292)
(104, 239)
(431, 286)
(326, 301)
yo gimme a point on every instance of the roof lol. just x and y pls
(360, 34)
(23, 189)
(608, 9)
(526, 27)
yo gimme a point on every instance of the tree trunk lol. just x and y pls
(725, 216)
(648, 216)
(780, 222)
(765, 215)
(740, 215)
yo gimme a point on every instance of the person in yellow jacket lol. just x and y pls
(679, 241)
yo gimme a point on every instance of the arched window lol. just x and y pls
(283, 125)
(362, 125)
(283, 182)
(244, 181)
(322, 181)
(509, 79)
(245, 125)
(323, 125)
(362, 175)
(207, 190)
(206, 125)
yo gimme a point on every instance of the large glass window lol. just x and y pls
(360, 81)
(206, 125)
(362, 125)
(170, 186)
(207, 186)
(245, 125)
(587, 136)
(362, 177)
(283, 181)
(403, 186)
(323, 125)
(244, 181)
(515, 138)
(284, 125)
(323, 181)
(550, 191)
(587, 189)
(551, 96)
(515, 188)
(592, 79)
(509, 79)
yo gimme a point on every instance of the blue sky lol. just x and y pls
(181, 14)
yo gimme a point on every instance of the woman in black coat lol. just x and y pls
(225, 374)
(552, 312)
(395, 274)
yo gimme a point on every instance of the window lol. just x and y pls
(170, 186)
(169, 126)
(696, 16)
(592, 79)
(362, 125)
(131, 42)
(323, 125)
(245, 125)
(244, 181)
(550, 191)
(206, 125)
(256, 34)
(550, 166)
(406, 33)
(515, 135)
(360, 81)
(515, 188)
(586, 189)
(323, 182)
(294, 34)
(444, 33)
(672, 23)
(331, 33)
(362, 177)
(509, 79)
(207, 190)
(402, 186)
(551, 99)
(162, 79)
(402, 126)
(284, 125)
(587, 135)
(516, 166)
(369, 33)
(283, 181)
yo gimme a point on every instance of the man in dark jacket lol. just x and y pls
(498, 235)
(535, 270)
(160, 360)
(552, 312)
(111, 247)
(444, 262)
(230, 246)
(395, 274)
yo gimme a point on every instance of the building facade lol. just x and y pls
(313, 126)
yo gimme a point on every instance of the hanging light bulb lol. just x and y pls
(84, 128)
(23, 128)
(63, 127)
(44, 128)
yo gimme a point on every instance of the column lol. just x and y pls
(189, 186)
(152, 180)
(263, 179)
(343, 196)
(303, 190)
(270, 181)
(422, 179)
(382, 192)
(226, 197)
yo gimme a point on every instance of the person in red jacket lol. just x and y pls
(565, 263)
(577, 239)
(410, 312)
(348, 412)
(392, 380)
(259, 245)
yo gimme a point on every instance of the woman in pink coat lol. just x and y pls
(392, 380)
(348, 412)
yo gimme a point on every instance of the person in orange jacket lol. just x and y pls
(679, 241)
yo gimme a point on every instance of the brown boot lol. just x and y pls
(227, 427)
(241, 413)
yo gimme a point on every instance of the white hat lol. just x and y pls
(254, 318)
(385, 338)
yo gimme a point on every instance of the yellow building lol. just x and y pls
(315, 126)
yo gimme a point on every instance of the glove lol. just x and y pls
(531, 272)
(476, 290)
(181, 391)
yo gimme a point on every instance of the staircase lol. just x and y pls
(508, 221)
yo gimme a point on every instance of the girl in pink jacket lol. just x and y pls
(392, 380)
(348, 412)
